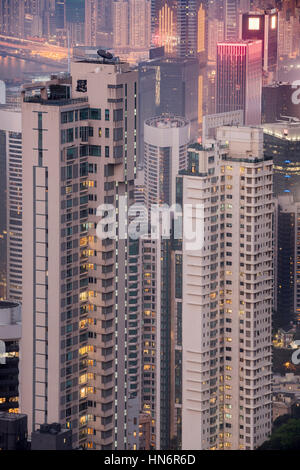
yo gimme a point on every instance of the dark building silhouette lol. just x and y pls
(13, 431)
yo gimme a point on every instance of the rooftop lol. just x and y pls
(167, 122)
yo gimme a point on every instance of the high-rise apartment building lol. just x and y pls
(239, 79)
(80, 348)
(98, 23)
(224, 297)
(11, 209)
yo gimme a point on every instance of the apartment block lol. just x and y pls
(80, 148)
(224, 296)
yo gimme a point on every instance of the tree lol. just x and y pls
(284, 437)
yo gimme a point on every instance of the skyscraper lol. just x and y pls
(263, 26)
(79, 153)
(282, 143)
(239, 79)
(224, 298)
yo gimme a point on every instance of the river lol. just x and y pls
(17, 70)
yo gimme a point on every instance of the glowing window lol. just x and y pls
(273, 22)
(254, 24)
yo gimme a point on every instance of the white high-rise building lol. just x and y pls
(80, 347)
(224, 297)
(166, 141)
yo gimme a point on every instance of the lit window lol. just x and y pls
(254, 24)
(273, 22)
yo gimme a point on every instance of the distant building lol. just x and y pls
(239, 79)
(168, 86)
(282, 142)
(282, 404)
(287, 281)
(11, 208)
(13, 431)
(51, 437)
(212, 121)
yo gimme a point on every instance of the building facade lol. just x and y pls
(80, 151)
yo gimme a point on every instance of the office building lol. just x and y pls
(224, 297)
(263, 26)
(239, 79)
(10, 336)
(11, 211)
(281, 142)
(80, 151)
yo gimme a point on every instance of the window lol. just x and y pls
(106, 132)
(106, 152)
(84, 114)
(118, 115)
(95, 114)
(107, 115)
